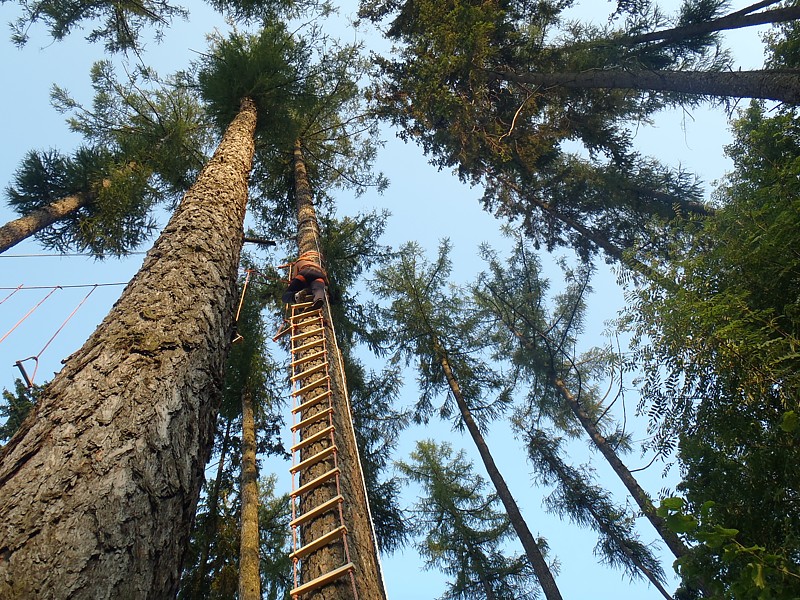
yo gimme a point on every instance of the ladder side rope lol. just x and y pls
(310, 357)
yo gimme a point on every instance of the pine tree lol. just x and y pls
(137, 402)
(514, 295)
(144, 144)
(482, 87)
(428, 323)
(463, 528)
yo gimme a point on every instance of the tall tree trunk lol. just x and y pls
(200, 584)
(783, 86)
(249, 572)
(361, 540)
(736, 20)
(13, 232)
(532, 550)
(641, 498)
(99, 486)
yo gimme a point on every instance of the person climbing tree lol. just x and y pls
(308, 275)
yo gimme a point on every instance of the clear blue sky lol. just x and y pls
(426, 205)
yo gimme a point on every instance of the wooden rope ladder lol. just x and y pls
(314, 455)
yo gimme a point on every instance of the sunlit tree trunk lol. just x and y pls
(361, 540)
(99, 487)
(249, 578)
(14, 232)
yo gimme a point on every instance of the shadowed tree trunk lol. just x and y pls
(200, 583)
(783, 86)
(13, 232)
(99, 486)
(362, 546)
(249, 577)
(736, 20)
(671, 539)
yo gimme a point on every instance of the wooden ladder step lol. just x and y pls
(309, 345)
(313, 418)
(316, 482)
(304, 334)
(312, 401)
(317, 511)
(322, 580)
(313, 438)
(308, 372)
(314, 384)
(303, 464)
(309, 357)
(319, 542)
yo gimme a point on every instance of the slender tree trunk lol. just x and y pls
(641, 498)
(782, 86)
(13, 232)
(361, 540)
(249, 572)
(201, 581)
(735, 20)
(532, 550)
(558, 467)
(99, 487)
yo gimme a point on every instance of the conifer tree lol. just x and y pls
(137, 402)
(145, 141)
(463, 528)
(459, 83)
(428, 323)
(514, 295)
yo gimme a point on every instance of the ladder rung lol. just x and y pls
(310, 386)
(304, 334)
(304, 347)
(317, 510)
(312, 438)
(319, 542)
(312, 419)
(313, 459)
(322, 580)
(312, 401)
(317, 481)
(316, 369)
(303, 317)
(308, 358)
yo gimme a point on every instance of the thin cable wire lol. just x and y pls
(69, 255)
(63, 287)
(16, 289)
(10, 331)
(72, 314)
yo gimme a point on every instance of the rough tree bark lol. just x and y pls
(362, 545)
(13, 232)
(782, 86)
(99, 486)
(249, 573)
